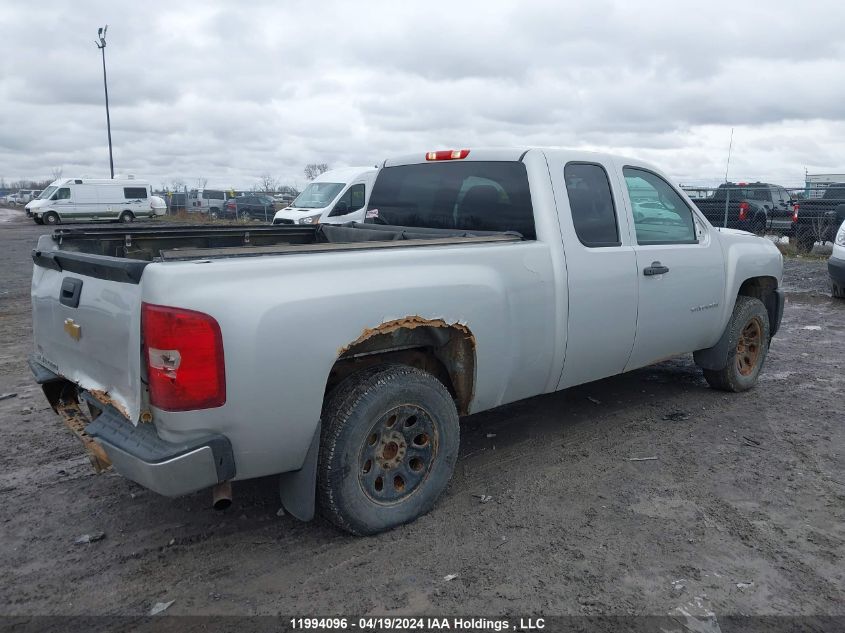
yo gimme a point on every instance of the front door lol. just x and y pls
(601, 272)
(680, 271)
(63, 203)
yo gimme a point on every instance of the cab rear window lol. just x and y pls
(472, 195)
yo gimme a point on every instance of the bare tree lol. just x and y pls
(312, 170)
(177, 185)
(267, 183)
(201, 182)
(57, 172)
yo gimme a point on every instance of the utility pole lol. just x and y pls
(730, 147)
(101, 34)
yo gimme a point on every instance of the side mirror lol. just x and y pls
(341, 208)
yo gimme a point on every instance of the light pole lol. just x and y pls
(101, 33)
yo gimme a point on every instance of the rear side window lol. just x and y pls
(472, 195)
(660, 215)
(134, 192)
(591, 201)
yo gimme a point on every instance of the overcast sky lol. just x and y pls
(228, 91)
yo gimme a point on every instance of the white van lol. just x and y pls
(210, 201)
(81, 199)
(334, 197)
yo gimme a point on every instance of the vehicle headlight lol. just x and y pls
(311, 219)
(840, 235)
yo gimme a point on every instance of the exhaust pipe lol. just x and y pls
(221, 495)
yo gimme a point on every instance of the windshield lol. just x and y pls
(318, 195)
(46, 193)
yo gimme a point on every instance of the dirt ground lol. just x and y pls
(741, 512)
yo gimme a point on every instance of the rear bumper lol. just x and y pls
(836, 270)
(137, 452)
(168, 468)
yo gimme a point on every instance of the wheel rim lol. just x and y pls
(50, 219)
(397, 454)
(748, 347)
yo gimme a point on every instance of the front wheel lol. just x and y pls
(804, 240)
(748, 342)
(37, 220)
(51, 218)
(389, 444)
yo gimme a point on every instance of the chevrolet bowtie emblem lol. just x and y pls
(74, 330)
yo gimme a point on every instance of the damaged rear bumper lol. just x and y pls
(137, 452)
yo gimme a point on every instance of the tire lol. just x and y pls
(804, 241)
(38, 220)
(388, 447)
(748, 342)
(51, 218)
(244, 215)
(837, 291)
(213, 214)
(758, 227)
(126, 217)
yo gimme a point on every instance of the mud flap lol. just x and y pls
(715, 357)
(298, 488)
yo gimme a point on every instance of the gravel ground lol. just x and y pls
(741, 512)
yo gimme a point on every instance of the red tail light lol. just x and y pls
(231, 206)
(447, 154)
(743, 210)
(795, 212)
(183, 350)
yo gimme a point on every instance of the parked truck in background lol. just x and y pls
(817, 219)
(757, 207)
(341, 357)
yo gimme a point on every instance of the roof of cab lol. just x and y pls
(505, 154)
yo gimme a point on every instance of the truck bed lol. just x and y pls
(122, 253)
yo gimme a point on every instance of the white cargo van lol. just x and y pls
(210, 201)
(334, 197)
(89, 199)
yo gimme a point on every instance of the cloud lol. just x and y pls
(230, 91)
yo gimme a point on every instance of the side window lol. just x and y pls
(130, 193)
(591, 201)
(356, 196)
(63, 193)
(660, 214)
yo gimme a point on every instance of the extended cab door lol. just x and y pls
(680, 271)
(601, 271)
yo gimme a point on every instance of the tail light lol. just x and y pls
(447, 154)
(231, 206)
(743, 210)
(183, 350)
(795, 212)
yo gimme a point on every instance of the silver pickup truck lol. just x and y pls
(341, 357)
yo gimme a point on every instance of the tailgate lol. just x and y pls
(87, 328)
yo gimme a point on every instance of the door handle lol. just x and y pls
(656, 268)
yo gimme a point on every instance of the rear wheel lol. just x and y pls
(51, 217)
(213, 214)
(388, 448)
(758, 227)
(126, 217)
(804, 240)
(837, 290)
(748, 342)
(244, 215)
